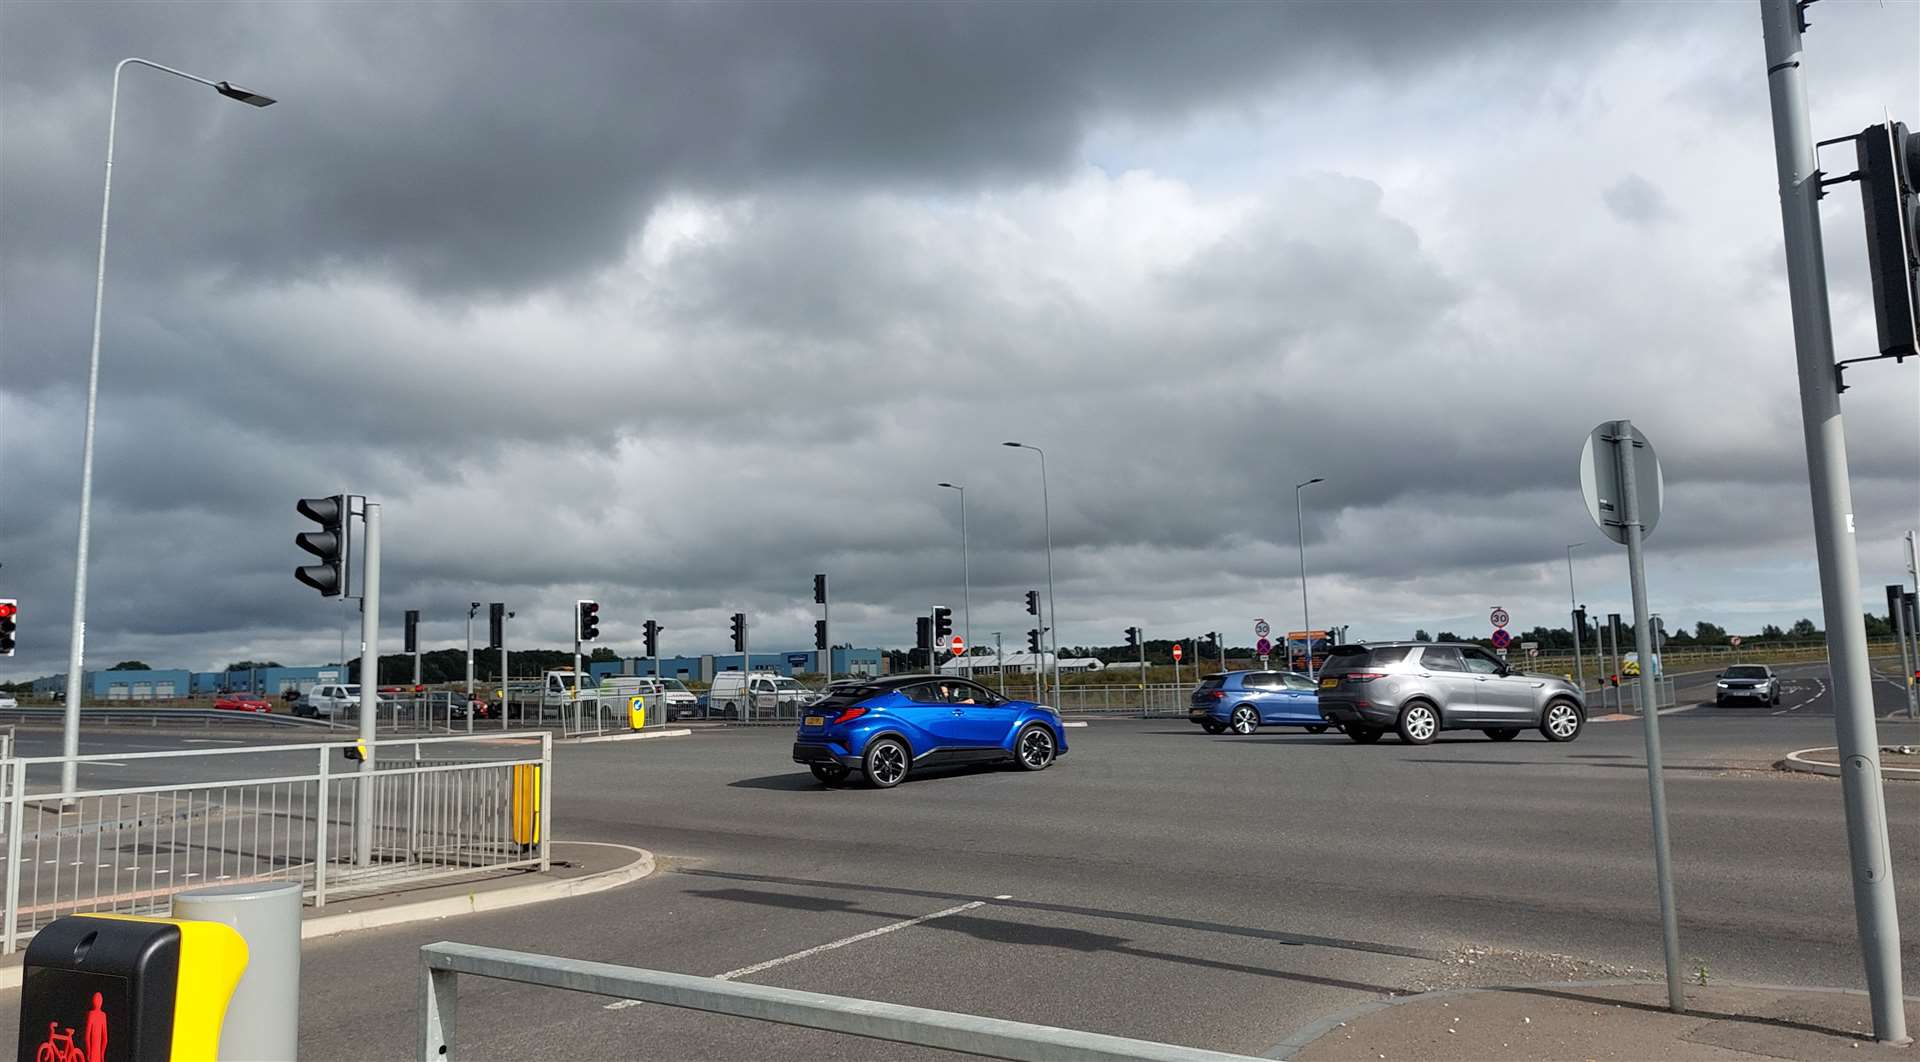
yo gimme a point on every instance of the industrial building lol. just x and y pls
(846, 661)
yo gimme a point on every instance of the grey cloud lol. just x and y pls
(1637, 201)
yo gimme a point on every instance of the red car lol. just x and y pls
(235, 702)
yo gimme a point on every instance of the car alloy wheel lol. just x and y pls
(1562, 722)
(1418, 723)
(1246, 719)
(885, 763)
(828, 773)
(1035, 750)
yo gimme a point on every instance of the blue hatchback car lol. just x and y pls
(1245, 701)
(890, 726)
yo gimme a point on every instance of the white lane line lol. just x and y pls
(1797, 705)
(622, 1004)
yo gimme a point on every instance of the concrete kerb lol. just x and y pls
(1307, 1034)
(1804, 761)
(474, 901)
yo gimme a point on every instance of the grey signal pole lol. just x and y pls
(1306, 618)
(1870, 861)
(966, 579)
(1573, 609)
(369, 683)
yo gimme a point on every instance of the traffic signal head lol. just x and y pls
(1133, 637)
(1890, 197)
(1033, 641)
(820, 589)
(739, 632)
(587, 628)
(329, 544)
(9, 620)
(413, 630)
(922, 633)
(819, 634)
(1033, 602)
(651, 632)
(496, 625)
(942, 624)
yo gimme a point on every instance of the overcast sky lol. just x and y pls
(675, 305)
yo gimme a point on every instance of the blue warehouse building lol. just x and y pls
(116, 686)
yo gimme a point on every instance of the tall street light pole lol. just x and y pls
(1573, 610)
(1300, 529)
(1046, 521)
(70, 737)
(966, 579)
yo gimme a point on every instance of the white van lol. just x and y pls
(329, 700)
(774, 696)
(677, 699)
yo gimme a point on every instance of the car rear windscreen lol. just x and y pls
(1212, 682)
(846, 697)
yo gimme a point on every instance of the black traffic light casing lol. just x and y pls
(1133, 637)
(330, 544)
(1033, 602)
(819, 634)
(650, 633)
(820, 589)
(739, 632)
(1033, 641)
(942, 624)
(587, 621)
(1580, 623)
(9, 623)
(1890, 199)
(413, 631)
(923, 633)
(496, 625)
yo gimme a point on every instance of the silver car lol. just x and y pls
(1421, 688)
(1747, 682)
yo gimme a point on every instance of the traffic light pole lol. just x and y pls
(369, 684)
(1870, 862)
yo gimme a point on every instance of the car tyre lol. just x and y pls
(886, 762)
(731, 711)
(1363, 735)
(1502, 733)
(1317, 728)
(1034, 749)
(1245, 719)
(1719, 702)
(1214, 728)
(1776, 698)
(828, 773)
(1419, 723)
(1561, 721)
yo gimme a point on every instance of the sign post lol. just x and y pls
(1620, 478)
(1176, 667)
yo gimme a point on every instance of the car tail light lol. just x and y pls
(849, 715)
(1363, 676)
(1219, 695)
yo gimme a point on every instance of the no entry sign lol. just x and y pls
(1176, 651)
(959, 645)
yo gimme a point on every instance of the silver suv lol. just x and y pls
(1422, 688)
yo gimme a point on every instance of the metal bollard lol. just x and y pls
(263, 1018)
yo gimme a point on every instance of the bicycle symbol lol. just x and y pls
(59, 1047)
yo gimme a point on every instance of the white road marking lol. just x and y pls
(622, 1004)
(1821, 688)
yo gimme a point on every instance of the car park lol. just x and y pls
(1755, 683)
(238, 702)
(1419, 689)
(1245, 701)
(886, 728)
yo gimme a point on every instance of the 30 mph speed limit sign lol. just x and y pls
(1500, 617)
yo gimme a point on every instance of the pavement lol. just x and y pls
(1216, 891)
(1604, 1021)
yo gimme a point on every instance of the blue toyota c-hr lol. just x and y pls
(887, 727)
(1244, 701)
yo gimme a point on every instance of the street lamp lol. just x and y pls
(1046, 521)
(70, 738)
(1573, 603)
(1300, 528)
(966, 580)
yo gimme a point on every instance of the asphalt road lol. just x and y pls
(1158, 882)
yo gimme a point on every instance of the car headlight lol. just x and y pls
(1722, 685)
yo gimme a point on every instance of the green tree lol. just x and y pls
(1772, 631)
(601, 652)
(1709, 633)
(1804, 628)
(1422, 636)
(1448, 636)
(249, 665)
(131, 665)
(1878, 626)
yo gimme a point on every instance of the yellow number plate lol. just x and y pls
(814, 720)
(1327, 684)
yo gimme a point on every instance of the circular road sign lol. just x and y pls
(1600, 481)
(1261, 629)
(1176, 651)
(1533, 652)
(1734, 641)
(1263, 647)
(1500, 617)
(959, 645)
(1501, 639)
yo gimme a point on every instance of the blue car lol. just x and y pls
(1245, 701)
(887, 727)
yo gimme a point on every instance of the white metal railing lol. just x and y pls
(427, 808)
(594, 713)
(443, 963)
(1152, 699)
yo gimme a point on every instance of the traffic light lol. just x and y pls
(1890, 198)
(496, 625)
(413, 630)
(820, 589)
(1580, 623)
(819, 634)
(1133, 637)
(587, 626)
(651, 633)
(1033, 602)
(329, 544)
(923, 633)
(9, 613)
(942, 624)
(1033, 641)
(739, 632)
